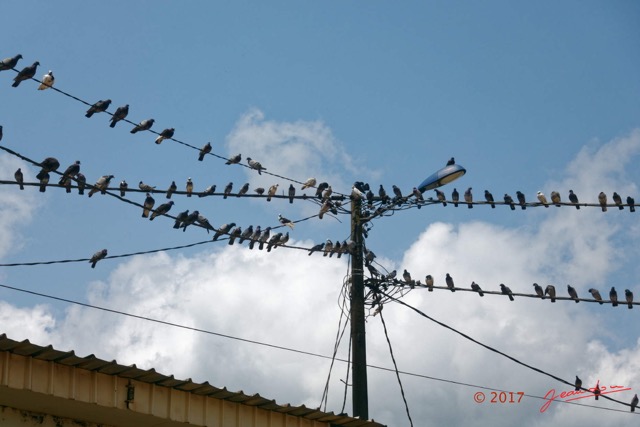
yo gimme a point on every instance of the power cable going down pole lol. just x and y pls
(360, 396)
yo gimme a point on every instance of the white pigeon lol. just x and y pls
(47, 81)
(542, 199)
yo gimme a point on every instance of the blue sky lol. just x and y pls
(527, 96)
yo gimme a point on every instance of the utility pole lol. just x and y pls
(360, 398)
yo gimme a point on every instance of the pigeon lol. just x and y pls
(255, 237)
(449, 281)
(383, 194)
(521, 199)
(634, 403)
(235, 233)
(374, 271)
(574, 199)
(617, 200)
(597, 392)
(356, 194)
(489, 198)
(509, 201)
(555, 198)
(539, 290)
(311, 182)
(316, 248)
(451, 161)
(189, 187)
(190, 219)
(227, 190)
(455, 196)
(120, 114)
(324, 208)
(272, 191)
(19, 176)
(49, 164)
(97, 257)
(419, 197)
(165, 134)
(180, 217)
(253, 164)
(613, 296)
(441, 197)
(147, 206)
(161, 210)
(468, 197)
(328, 248)
(631, 203)
(70, 172)
(82, 182)
(101, 185)
(246, 234)
(143, 125)
(233, 160)
(551, 291)
(172, 188)
(243, 190)
(145, 187)
(66, 183)
(543, 199)
(320, 188)
(44, 180)
(264, 237)
(602, 198)
(477, 288)
(370, 198)
(123, 187)
(285, 221)
(578, 383)
(628, 296)
(47, 81)
(596, 295)
(397, 192)
(406, 276)
(292, 192)
(224, 229)
(572, 293)
(273, 241)
(208, 191)
(283, 240)
(428, 280)
(25, 74)
(204, 151)
(98, 107)
(337, 248)
(9, 63)
(259, 191)
(204, 222)
(505, 290)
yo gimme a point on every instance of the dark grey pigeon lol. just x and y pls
(98, 107)
(25, 74)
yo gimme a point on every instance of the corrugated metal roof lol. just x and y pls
(92, 363)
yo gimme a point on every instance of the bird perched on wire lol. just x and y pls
(617, 200)
(243, 190)
(356, 194)
(505, 290)
(468, 198)
(227, 190)
(489, 198)
(285, 221)
(628, 296)
(204, 222)
(234, 234)
(101, 185)
(292, 193)
(145, 187)
(476, 287)
(596, 295)
(99, 107)
(418, 195)
(120, 114)
(398, 194)
(597, 391)
(246, 234)
(449, 281)
(543, 199)
(406, 276)
(234, 160)
(19, 176)
(9, 63)
(428, 281)
(44, 180)
(123, 188)
(25, 74)
(272, 191)
(613, 296)
(70, 172)
(208, 191)
(165, 134)
(161, 210)
(328, 192)
(255, 236)
(455, 197)
(509, 201)
(224, 229)
(189, 187)
(190, 219)
(206, 149)
(578, 383)
(320, 189)
(259, 191)
(551, 291)
(311, 182)
(451, 161)
(273, 241)
(631, 203)
(49, 164)
(97, 257)
(555, 198)
(147, 205)
(328, 248)
(572, 293)
(47, 81)
(253, 164)
(574, 199)
(602, 199)
(634, 403)
(172, 188)
(180, 218)
(441, 197)
(383, 194)
(521, 199)
(143, 125)
(538, 290)
(82, 182)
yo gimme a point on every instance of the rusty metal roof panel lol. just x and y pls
(93, 363)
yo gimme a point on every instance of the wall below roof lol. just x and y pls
(11, 417)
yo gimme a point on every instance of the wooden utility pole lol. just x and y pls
(360, 397)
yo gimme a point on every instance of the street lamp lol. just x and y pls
(443, 176)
